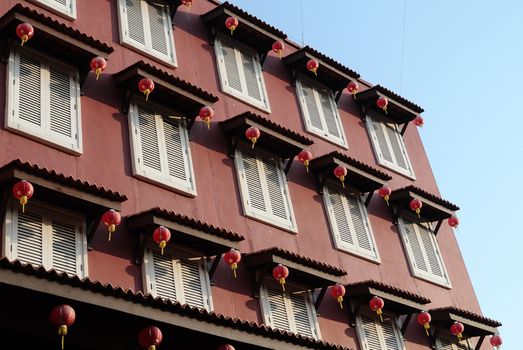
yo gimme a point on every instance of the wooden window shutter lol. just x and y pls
(64, 247)
(416, 248)
(276, 189)
(135, 23)
(176, 151)
(255, 195)
(397, 147)
(330, 113)
(384, 153)
(379, 335)
(251, 75)
(29, 76)
(301, 314)
(429, 246)
(28, 245)
(339, 218)
(163, 282)
(158, 26)
(312, 108)
(150, 155)
(193, 283)
(60, 100)
(231, 65)
(279, 315)
(390, 335)
(371, 339)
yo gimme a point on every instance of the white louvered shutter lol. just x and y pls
(159, 29)
(384, 152)
(255, 196)
(65, 247)
(29, 239)
(29, 91)
(371, 338)
(397, 147)
(447, 344)
(390, 335)
(150, 155)
(275, 189)
(251, 74)
(61, 104)
(379, 335)
(313, 113)
(230, 63)
(278, 313)
(163, 282)
(135, 24)
(301, 314)
(66, 7)
(330, 113)
(193, 283)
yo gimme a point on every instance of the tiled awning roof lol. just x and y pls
(380, 286)
(228, 327)
(467, 314)
(475, 325)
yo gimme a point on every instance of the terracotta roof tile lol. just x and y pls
(331, 61)
(429, 196)
(360, 165)
(470, 315)
(392, 290)
(398, 98)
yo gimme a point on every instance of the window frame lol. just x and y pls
(288, 225)
(188, 187)
(48, 212)
(146, 49)
(148, 272)
(69, 11)
(418, 273)
(370, 116)
(361, 332)
(222, 74)
(266, 312)
(323, 134)
(43, 133)
(339, 244)
(447, 336)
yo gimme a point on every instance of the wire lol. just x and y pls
(403, 43)
(301, 18)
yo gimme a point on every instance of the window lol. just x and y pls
(160, 150)
(423, 253)
(264, 191)
(64, 7)
(48, 237)
(289, 312)
(388, 145)
(377, 335)
(182, 280)
(320, 112)
(146, 26)
(241, 74)
(44, 100)
(445, 343)
(349, 223)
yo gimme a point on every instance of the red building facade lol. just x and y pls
(89, 145)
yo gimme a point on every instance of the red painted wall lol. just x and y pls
(106, 161)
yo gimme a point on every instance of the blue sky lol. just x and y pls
(463, 64)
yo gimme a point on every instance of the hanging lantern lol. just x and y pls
(416, 205)
(62, 316)
(353, 87)
(225, 347)
(25, 31)
(162, 235)
(313, 65)
(340, 172)
(453, 221)
(98, 65)
(206, 113)
(424, 320)
(338, 292)
(232, 257)
(150, 337)
(187, 3)
(496, 341)
(384, 193)
(376, 304)
(457, 329)
(252, 134)
(232, 23)
(418, 121)
(146, 86)
(111, 219)
(23, 191)
(382, 103)
(280, 273)
(305, 157)
(278, 47)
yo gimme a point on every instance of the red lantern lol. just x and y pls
(424, 320)
(98, 65)
(25, 31)
(377, 304)
(453, 221)
(418, 121)
(187, 3)
(416, 205)
(457, 329)
(252, 134)
(382, 103)
(111, 219)
(340, 172)
(206, 113)
(225, 347)
(384, 193)
(23, 191)
(162, 235)
(232, 257)
(305, 157)
(496, 341)
(337, 292)
(146, 86)
(353, 87)
(232, 23)
(62, 316)
(150, 337)
(278, 47)
(280, 273)
(313, 65)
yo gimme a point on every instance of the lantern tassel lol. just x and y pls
(147, 92)
(354, 94)
(62, 330)
(98, 72)
(426, 326)
(23, 202)
(111, 229)
(386, 200)
(163, 244)
(253, 139)
(379, 312)
(282, 282)
(385, 110)
(306, 163)
(234, 266)
(208, 122)
(418, 211)
(340, 301)
(24, 39)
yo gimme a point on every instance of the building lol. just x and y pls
(88, 145)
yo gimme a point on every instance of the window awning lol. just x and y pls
(251, 30)
(398, 301)
(399, 109)
(53, 38)
(307, 273)
(434, 208)
(361, 178)
(274, 138)
(171, 95)
(475, 325)
(203, 238)
(330, 72)
(62, 191)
